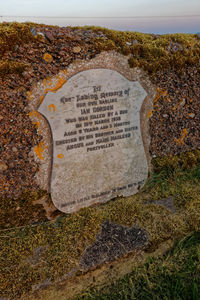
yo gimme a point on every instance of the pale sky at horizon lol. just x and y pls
(110, 9)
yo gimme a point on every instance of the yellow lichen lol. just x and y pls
(149, 114)
(33, 113)
(39, 149)
(48, 57)
(53, 86)
(52, 107)
(37, 124)
(180, 141)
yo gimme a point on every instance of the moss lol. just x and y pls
(21, 211)
(174, 275)
(12, 34)
(64, 240)
(10, 67)
(183, 161)
(150, 52)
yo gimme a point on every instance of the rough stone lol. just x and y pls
(98, 152)
(77, 49)
(3, 166)
(166, 202)
(113, 242)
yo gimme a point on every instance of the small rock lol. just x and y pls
(132, 43)
(77, 49)
(33, 30)
(135, 42)
(1, 117)
(11, 165)
(165, 115)
(3, 166)
(49, 37)
(41, 34)
(14, 149)
(44, 284)
(165, 202)
(62, 53)
(182, 102)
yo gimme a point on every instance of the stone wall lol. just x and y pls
(36, 238)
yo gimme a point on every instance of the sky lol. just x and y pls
(156, 16)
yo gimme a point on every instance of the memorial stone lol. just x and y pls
(98, 151)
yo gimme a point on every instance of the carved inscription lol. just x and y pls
(98, 151)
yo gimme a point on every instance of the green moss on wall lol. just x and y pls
(12, 34)
(151, 52)
(11, 67)
(147, 51)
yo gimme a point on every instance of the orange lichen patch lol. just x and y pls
(37, 124)
(149, 114)
(42, 98)
(58, 85)
(47, 57)
(191, 115)
(52, 107)
(64, 72)
(180, 141)
(53, 85)
(163, 93)
(167, 99)
(157, 98)
(60, 155)
(160, 94)
(33, 113)
(39, 149)
(30, 96)
(56, 166)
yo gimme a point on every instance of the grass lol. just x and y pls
(64, 240)
(174, 276)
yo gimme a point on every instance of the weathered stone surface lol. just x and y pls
(97, 148)
(113, 242)
(98, 151)
(167, 202)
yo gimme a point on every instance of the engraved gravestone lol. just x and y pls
(98, 151)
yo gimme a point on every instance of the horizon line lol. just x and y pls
(100, 17)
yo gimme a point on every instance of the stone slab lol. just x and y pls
(43, 152)
(98, 151)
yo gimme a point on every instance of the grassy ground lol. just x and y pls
(174, 276)
(61, 243)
